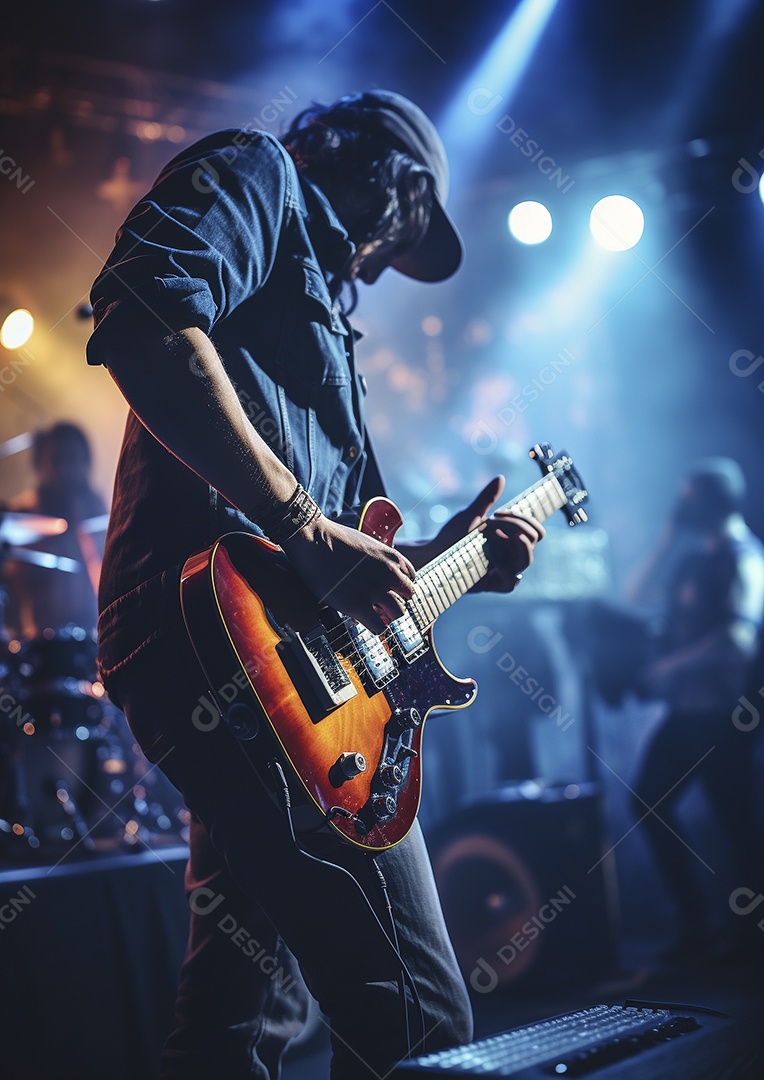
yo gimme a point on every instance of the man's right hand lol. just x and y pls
(352, 572)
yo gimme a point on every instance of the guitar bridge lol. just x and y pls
(311, 661)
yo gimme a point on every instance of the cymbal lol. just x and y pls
(43, 558)
(27, 527)
(94, 524)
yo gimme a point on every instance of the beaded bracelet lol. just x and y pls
(282, 523)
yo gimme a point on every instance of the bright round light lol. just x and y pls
(617, 223)
(530, 222)
(761, 187)
(16, 329)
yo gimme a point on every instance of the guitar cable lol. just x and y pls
(405, 975)
(396, 946)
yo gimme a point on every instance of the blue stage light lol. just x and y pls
(530, 222)
(617, 223)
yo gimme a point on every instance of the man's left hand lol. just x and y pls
(511, 539)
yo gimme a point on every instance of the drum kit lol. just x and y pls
(71, 775)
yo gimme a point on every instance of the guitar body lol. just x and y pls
(288, 677)
(339, 709)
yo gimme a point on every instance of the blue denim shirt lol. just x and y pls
(233, 240)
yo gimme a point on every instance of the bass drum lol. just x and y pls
(71, 775)
(55, 681)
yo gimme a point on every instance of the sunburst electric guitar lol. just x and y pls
(340, 709)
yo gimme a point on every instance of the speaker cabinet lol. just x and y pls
(527, 885)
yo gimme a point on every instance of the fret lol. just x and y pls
(545, 501)
(479, 562)
(540, 500)
(464, 569)
(555, 494)
(453, 573)
(433, 602)
(443, 580)
(451, 563)
(424, 604)
(536, 499)
(442, 594)
(414, 606)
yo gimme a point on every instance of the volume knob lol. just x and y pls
(383, 806)
(407, 718)
(350, 764)
(346, 767)
(391, 775)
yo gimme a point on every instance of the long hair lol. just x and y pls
(62, 433)
(341, 149)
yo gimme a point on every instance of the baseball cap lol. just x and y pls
(438, 254)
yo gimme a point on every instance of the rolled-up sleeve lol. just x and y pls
(202, 240)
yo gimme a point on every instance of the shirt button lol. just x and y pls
(353, 452)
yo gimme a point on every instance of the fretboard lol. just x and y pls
(441, 582)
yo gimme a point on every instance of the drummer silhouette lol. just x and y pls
(41, 598)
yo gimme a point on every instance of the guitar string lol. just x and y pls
(341, 638)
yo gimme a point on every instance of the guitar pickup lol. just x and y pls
(311, 661)
(407, 638)
(372, 661)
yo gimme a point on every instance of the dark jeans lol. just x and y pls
(705, 747)
(259, 905)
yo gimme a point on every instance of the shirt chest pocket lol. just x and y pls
(314, 339)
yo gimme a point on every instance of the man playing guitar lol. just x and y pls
(222, 316)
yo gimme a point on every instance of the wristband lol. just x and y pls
(282, 522)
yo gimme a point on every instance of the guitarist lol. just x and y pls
(222, 316)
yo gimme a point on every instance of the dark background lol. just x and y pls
(658, 101)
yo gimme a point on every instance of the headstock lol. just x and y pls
(562, 467)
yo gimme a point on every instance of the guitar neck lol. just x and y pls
(443, 581)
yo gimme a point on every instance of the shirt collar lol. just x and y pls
(329, 237)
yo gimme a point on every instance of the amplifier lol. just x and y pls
(527, 886)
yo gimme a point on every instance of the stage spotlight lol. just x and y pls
(530, 222)
(761, 187)
(482, 102)
(617, 223)
(16, 329)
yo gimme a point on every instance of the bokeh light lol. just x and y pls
(16, 329)
(530, 222)
(617, 223)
